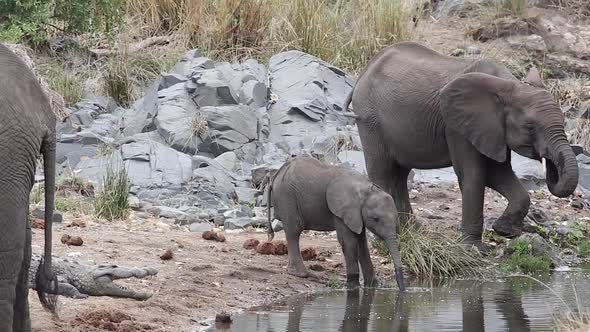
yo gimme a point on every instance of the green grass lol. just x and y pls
(584, 249)
(68, 84)
(516, 7)
(523, 260)
(112, 202)
(430, 254)
(334, 282)
(74, 204)
(117, 81)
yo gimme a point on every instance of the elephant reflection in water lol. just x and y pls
(357, 313)
(508, 303)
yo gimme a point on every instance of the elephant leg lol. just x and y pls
(400, 194)
(22, 319)
(470, 167)
(365, 261)
(501, 178)
(11, 262)
(349, 242)
(293, 233)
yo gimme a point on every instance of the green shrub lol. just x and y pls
(118, 82)
(584, 249)
(36, 18)
(523, 260)
(74, 204)
(112, 202)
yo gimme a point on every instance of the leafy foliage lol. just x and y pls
(35, 18)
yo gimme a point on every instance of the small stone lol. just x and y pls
(251, 244)
(308, 254)
(458, 52)
(577, 204)
(219, 237)
(223, 318)
(265, 248)
(167, 255)
(281, 248)
(277, 225)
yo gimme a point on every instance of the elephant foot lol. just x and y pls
(506, 228)
(351, 285)
(300, 272)
(372, 282)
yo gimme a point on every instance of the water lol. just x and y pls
(508, 304)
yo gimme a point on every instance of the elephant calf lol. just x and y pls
(310, 195)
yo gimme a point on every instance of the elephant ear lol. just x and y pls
(344, 201)
(471, 105)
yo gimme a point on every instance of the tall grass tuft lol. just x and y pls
(430, 254)
(69, 85)
(516, 7)
(117, 79)
(112, 202)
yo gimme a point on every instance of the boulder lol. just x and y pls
(208, 88)
(228, 128)
(200, 227)
(246, 195)
(237, 75)
(309, 93)
(538, 247)
(178, 120)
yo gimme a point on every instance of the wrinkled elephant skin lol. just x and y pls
(27, 129)
(416, 108)
(308, 194)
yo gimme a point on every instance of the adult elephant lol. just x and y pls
(417, 108)
(27, 128)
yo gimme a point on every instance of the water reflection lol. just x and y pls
(515, 304)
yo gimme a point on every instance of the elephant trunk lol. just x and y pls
(561, 168)
(392, 244)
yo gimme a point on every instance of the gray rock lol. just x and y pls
(448, 8)
(277, 225)
(153, 164)
(243, 222)
(169, 213)
(227, 160)
(261, 171)
(309, 92)
(134, 202)
(538, 216)
(229, 128)
(237, 74)
(168, 80)
(200, 227)
(219, 220)
(208, 88)
(179, 121)
(213, 182)
(535, 43)
(253, 94)
(356, 160)
(70, 154)
(246, 195)
(140, 117)
(40, 214)
(239, 212)
(183, 67)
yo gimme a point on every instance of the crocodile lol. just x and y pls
(79, 281)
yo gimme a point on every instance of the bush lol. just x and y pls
(35, 18)
(112, 202)
(523, 260)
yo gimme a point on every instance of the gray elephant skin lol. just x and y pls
(308, 194)
(417, 108)
(27, 128)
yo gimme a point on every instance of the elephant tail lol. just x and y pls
(270, 231)
(347, 104)
(46, 280)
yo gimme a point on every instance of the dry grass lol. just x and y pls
(573, 322)
(345, 33)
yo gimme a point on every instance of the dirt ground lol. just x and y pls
(207, 277)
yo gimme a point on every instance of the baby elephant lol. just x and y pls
(310, 195)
